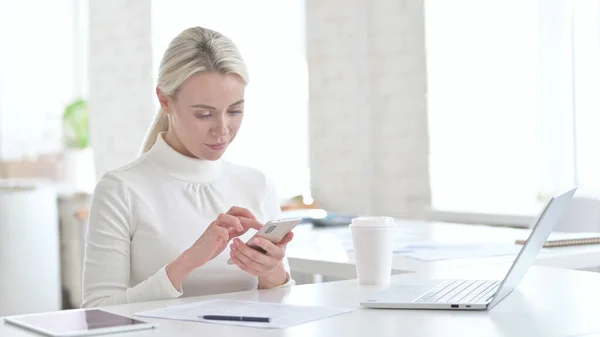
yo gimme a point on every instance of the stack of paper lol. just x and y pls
(281, 315)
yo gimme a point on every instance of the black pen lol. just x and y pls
(237, 318)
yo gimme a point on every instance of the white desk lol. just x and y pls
(550, 302)
(324, 250)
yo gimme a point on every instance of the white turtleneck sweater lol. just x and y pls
(145, 214)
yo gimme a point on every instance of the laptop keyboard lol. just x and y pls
(460, 291)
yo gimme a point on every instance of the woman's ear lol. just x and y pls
(164, 100)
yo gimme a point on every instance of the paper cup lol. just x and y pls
(373, 241)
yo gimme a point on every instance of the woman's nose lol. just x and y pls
(220, 127)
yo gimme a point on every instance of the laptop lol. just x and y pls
(473, 294)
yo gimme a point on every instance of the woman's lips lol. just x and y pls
(217, 146)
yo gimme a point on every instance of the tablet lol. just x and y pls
(78, 322)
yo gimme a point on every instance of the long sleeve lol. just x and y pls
(106, 269)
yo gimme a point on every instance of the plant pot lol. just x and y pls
(79, 170)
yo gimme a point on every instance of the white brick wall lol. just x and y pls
(120, 79)
(368, 121)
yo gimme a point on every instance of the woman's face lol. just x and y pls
(205, 114)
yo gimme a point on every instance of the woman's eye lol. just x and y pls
(235, 112)
(202, 116)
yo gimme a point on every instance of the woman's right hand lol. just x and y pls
(237, 221)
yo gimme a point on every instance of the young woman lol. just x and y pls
(165, 225)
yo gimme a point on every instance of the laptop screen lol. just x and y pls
(544, 225)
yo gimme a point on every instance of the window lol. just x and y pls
(586, 80)
(36, 76)
(513, 102)
(482, 104)
(274, 134)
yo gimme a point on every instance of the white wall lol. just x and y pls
(120, 80)
(36, 75)
(368, 120)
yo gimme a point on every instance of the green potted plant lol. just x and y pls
(79, 159)
(76, 123)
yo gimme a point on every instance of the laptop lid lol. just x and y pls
(544, 225)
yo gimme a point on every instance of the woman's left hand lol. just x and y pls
(262, 264)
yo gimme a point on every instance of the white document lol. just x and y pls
(435, 251)
(281, 315)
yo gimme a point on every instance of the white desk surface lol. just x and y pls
(549, 302)
(324, 250)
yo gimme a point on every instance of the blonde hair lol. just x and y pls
(193, 51)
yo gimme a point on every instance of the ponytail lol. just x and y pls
(160, 124)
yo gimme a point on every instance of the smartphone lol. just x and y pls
(273, 231)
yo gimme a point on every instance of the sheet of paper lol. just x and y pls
(281, 315)
(435, 251)
(439, 251)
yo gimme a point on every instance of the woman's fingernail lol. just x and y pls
(232, 247)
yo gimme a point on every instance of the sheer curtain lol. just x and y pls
(271, 37)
